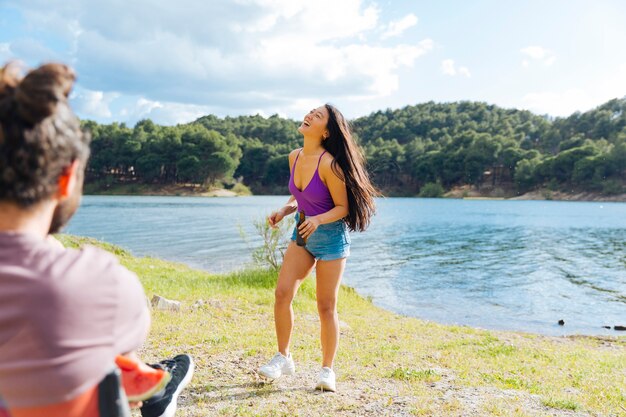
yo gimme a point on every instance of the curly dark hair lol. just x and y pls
(40, 136)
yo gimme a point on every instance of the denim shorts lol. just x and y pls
(329, 241)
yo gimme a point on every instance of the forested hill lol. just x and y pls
(422, 149)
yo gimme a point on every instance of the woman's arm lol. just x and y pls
(291, 205)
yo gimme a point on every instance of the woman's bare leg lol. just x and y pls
(297, 265)
(328, 277)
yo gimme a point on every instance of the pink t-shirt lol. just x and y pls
(64, 316)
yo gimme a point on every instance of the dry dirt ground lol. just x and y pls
(236, 389)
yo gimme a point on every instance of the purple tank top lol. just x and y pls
(315, 198)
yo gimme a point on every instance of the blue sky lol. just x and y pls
(175, 61)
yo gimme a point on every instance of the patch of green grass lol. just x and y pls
(404, 374)
(498, 349)
(236, 326)
(510, 382)
(70, 241)
(561, 404)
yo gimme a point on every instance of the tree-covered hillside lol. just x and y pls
(429, 146)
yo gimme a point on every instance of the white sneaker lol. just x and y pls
(279, 365)
(326, 381)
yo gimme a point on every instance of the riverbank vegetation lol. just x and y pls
(426, 149)
(387, 364)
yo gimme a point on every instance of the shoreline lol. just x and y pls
(464, 193)
(607, 330)
(387, 364)
(175, 190)
(530, 196)
(468, 193)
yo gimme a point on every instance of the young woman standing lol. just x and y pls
(330, 186)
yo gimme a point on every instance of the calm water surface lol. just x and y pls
(518, 265)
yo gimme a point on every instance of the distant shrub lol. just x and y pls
(431, 190)
(612, 187)
(553, 185)
(241, 189)
(547, 194)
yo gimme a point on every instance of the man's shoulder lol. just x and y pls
(87, 267)
(94, 258)
(65, 284)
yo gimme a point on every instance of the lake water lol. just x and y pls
(517, 265)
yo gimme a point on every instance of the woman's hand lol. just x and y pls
(275, 218)
(308, 226)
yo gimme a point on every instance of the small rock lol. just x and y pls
(198, 304)
(561, 322)
(607, 327)
(620, 328)
(215, 304)
(311, 317)
(162, 303)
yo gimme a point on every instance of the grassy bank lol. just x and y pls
(387, 364)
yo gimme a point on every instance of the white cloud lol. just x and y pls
(449, 68)
(557, 103)
(144, 106)
(397, 27)
(5, 52)
(302, 106)
(93, 104)
(166, 113)
(565, 102)
(550, 60)
(29, 49)
(175, 113)
(465, 72)
(537, 54)
(236, 55)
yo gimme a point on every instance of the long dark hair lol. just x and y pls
(349, 164)
(39, 134)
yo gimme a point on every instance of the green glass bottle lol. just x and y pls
(300, 241)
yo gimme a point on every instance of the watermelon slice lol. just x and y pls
(139, 380)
